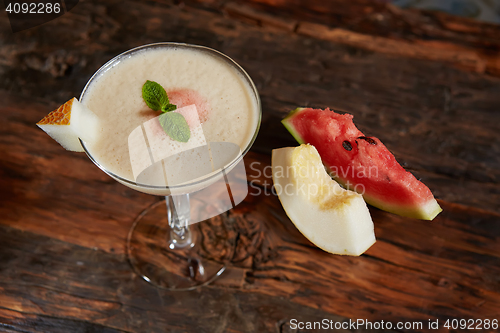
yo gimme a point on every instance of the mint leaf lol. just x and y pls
(169, 107)
(175, 125)
(154, 95)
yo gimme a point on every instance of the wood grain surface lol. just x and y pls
(427, 84)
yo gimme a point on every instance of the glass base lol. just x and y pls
(155, 256)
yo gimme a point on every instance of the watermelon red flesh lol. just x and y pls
(362, 163)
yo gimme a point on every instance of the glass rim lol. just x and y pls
(115, 60)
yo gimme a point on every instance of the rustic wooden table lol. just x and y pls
(427, 84)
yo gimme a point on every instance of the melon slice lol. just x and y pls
(334, 219)
(362, 163)
(71, 121)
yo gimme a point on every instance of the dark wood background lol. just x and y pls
(426, 83)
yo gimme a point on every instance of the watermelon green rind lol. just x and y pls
(420, 203)
(427, 211)
(286, 122)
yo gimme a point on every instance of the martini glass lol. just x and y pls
(165, 245)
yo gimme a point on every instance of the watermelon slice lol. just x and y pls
(362, 163)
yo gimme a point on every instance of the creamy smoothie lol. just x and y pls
(227, 106)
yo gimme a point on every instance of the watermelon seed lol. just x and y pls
(347, 145)
(369, 140)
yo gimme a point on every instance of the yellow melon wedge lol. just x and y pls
(69, 122)
(334, 219)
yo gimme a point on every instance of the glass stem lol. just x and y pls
(178, 209)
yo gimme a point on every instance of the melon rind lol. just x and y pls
(83, 124)
(345, 228)
(424, 211)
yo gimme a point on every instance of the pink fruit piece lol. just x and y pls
(185, 97)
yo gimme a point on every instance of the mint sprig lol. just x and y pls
(174, 124)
